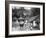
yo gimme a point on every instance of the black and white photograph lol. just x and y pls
(25, 19)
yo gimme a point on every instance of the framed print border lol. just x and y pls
(7, 18)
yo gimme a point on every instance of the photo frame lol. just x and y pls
(24, 18)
